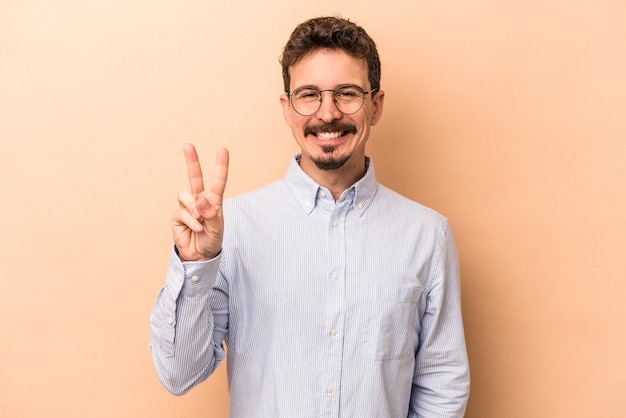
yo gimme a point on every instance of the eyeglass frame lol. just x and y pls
(334, 91)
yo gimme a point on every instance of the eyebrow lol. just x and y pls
(337, 87)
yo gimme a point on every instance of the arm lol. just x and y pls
(190, 317)
(441, 377)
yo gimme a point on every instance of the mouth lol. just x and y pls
(330, 132)
(329, 136)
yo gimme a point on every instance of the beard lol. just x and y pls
(329, 160)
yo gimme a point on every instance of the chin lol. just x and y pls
(331, 163)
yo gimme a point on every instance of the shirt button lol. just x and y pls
(359, 206)
(333, 332)
(179, 277)
(323, 193)
(334, 223)
(170, 320)
(194, 278)
(307, 204)
(335, 275)
(330, 389)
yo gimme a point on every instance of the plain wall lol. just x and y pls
(507, 117)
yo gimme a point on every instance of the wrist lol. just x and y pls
(199, 258)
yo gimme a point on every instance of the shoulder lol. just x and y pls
(268, 193)
(258, 205)
(403, 207)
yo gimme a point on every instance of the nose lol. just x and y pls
(328, 111)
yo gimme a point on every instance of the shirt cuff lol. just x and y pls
(192, 278)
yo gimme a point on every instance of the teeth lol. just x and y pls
(328, 135)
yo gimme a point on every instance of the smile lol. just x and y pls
(330, 131)
(326, 136)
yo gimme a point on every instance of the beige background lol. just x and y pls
(507, 117)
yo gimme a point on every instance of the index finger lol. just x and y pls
(194, 171)
(220, 175)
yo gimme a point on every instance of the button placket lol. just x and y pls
(335, 303)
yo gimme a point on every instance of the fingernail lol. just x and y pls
(195, 213)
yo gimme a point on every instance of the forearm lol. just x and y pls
(186, 332)
(441, 390)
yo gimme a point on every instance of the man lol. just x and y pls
(335, 296)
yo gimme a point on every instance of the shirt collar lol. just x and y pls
(306, 189)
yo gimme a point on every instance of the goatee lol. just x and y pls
(329, 162)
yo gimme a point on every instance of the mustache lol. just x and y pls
(330, 127)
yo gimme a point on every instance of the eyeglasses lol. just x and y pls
(306, 101)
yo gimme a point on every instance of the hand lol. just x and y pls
(198, 224)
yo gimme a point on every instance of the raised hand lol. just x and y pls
(198, 223)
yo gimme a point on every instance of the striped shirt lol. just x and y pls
(347, 308)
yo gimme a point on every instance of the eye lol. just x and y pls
(307, 95)
(347, 94)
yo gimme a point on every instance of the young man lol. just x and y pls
(335, 296)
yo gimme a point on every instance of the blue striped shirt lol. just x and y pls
(347, 308)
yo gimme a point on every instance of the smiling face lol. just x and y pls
(332, 143)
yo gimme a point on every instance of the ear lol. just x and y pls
(377, 101)
(284, 101)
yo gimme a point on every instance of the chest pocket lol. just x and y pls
(391, 322)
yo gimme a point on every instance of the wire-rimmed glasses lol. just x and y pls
(349, 99)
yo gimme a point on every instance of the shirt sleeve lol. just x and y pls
(441, 378)
(188, 323)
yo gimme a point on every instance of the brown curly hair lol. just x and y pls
(330, 33)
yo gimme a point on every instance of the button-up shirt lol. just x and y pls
(346, 308)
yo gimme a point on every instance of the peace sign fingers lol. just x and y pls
(198, 223)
